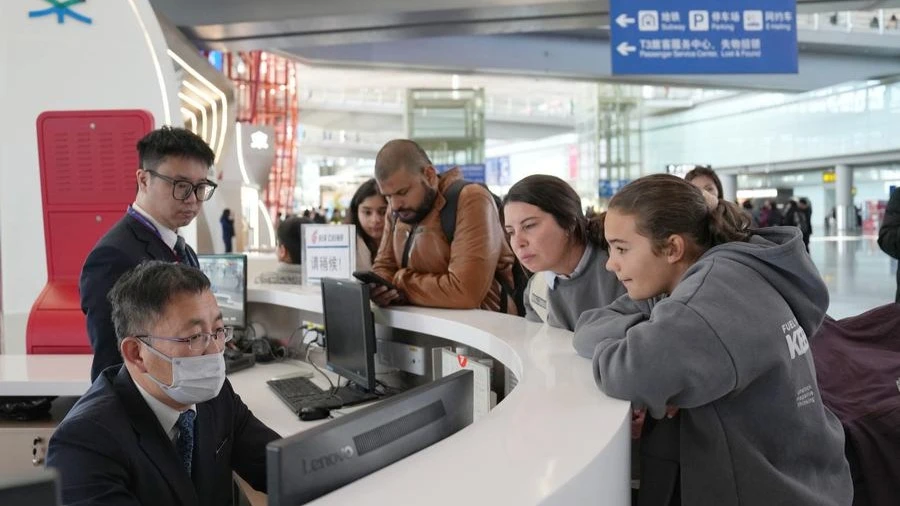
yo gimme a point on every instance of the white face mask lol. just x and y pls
(194, 379)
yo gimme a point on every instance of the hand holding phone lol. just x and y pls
(370, 277)
(383, 292)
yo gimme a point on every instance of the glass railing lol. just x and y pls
(881, 21)
(322, 136)
(504, 105)
(392, 99)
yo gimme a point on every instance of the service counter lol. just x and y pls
(554, 439)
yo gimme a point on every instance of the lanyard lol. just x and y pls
(145, 222)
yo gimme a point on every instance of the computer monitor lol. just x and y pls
(315, 462)
(228, 276)
(35, 489)
(349, 331)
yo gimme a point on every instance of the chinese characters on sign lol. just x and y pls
(751, 36)
(329, 251)
(329, 263)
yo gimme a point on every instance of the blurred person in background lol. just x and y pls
(705, 179)
(227, 222)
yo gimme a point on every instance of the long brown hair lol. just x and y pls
(664, 205)
(365, 190)
(700, 170)
(554, 196)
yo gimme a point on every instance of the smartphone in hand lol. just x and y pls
(371, 277)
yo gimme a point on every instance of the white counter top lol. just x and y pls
(59, 375)
(555, 439)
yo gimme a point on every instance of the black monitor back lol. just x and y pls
(349, 331)
(228, 276)
(41, 489)
(315, 462)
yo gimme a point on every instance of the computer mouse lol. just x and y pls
(310, 414)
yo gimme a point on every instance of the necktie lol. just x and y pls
(181, 251)
(185, 442)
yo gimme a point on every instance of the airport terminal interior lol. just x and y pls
(390, 404)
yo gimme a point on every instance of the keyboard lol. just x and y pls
(299, 392)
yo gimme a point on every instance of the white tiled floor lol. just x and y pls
(858, 274)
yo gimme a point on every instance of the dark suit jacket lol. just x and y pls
(127, 244)
(110, 449)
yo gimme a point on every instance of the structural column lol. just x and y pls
(729, 187)
(845, 213)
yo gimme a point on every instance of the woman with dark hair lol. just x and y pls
(726, 342)
(705, 179)
(367, 210)
(552, 238)
(227, 223)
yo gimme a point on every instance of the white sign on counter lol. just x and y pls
(329, 251)
(451, 362)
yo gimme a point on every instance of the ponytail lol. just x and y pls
(594, 231)
(728, 223)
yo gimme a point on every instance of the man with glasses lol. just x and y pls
(172, 184)
(165, 428)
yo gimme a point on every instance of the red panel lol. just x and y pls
(53, 325)
(61, 350)
(62, 295)
(72, 235)
(89, 158)
(88, 163)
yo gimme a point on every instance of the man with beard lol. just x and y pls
(172, 184)
(425, 267)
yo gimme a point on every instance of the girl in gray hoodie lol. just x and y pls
(728, 345)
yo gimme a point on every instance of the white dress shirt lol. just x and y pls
(167, 415)
(582, 265)
(168, 235)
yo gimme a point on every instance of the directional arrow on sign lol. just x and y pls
(623, 20)
(625, 49)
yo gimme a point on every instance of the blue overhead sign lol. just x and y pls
(704, 36)
(496, 171)
(609, 187)
(472, 172)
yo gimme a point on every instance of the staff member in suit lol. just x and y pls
(172, 185)
(165, 428)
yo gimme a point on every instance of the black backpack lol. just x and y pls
(448, 224)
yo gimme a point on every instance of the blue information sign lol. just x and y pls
(496, 171)
(609, 187)
(704, 36)
(473, 172)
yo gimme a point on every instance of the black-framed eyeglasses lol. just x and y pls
(198, 342)
(182, 189)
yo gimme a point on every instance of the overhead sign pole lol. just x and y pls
(704, 36)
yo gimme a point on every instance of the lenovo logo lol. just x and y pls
(324, 462)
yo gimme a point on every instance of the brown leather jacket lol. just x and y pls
(457, 276)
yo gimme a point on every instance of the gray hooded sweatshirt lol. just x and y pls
(730, 347)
